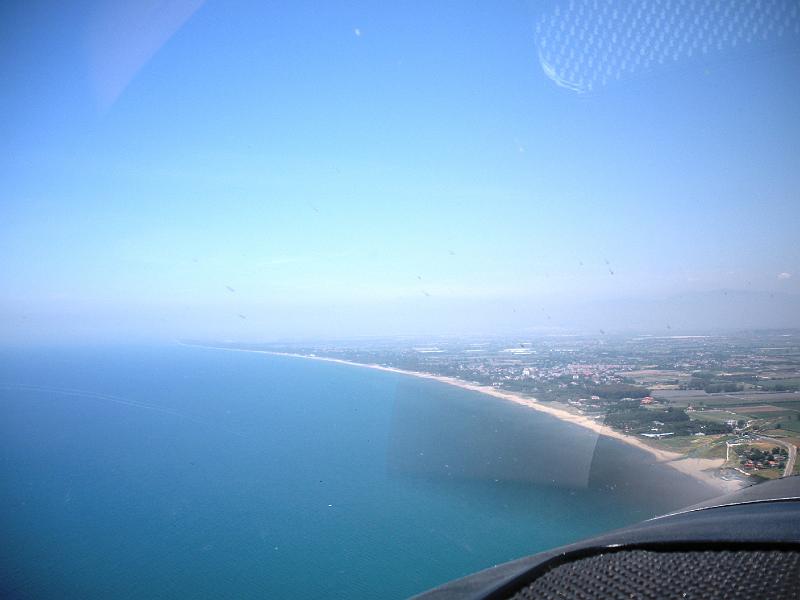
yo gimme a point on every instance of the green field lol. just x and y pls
(768, 473)
(696, 446)
(790, 425)
(715, 416)
(759, 414)
(697, 398)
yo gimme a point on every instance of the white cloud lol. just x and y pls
(784, 275)
(357, 31)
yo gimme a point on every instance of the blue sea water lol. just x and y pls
(178, 472)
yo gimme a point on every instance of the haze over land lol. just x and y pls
(252, 320)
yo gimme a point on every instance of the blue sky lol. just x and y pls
(261, 170)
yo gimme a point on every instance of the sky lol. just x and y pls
(260, 171)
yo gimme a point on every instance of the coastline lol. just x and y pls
(703, 470)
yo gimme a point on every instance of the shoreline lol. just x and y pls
(704, 470)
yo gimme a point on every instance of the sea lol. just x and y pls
(186, 472)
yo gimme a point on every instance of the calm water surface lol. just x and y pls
(177, 472)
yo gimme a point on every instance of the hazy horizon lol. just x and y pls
(199, 169)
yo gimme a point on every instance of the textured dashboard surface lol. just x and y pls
(645, 574)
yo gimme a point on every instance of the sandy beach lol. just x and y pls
(704, 470)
